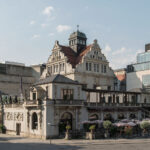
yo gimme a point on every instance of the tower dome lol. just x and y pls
(77, 41)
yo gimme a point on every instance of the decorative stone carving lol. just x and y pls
(18, 116)
(14, 116)
(9, 116)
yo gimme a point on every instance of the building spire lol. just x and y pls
(77, 27)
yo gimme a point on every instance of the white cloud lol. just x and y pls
(107, 48)
(61, 28)
(32, 22)
(120, 51)
(51, 34)
(35, 36)
(43, 25)
(120, 58)
(48, 10)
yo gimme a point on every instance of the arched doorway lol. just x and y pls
(34, 121)
(66, 119)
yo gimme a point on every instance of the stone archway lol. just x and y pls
(66, 119)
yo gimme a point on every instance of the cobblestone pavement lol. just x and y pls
(21, 143)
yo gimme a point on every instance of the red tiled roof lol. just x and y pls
(70, 54)
(121, 77)
(73, 58)
(82, 53)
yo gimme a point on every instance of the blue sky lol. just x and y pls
(29, 28)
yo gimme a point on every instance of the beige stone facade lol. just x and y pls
(76, 86)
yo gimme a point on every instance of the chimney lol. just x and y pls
(147, 47)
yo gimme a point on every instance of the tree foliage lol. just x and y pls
(107, 124)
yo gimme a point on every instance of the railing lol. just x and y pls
(14, 105)
(91, 104)
(32, 102)
(68, 102)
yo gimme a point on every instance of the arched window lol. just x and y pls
(108, 117)
(132, 116)
(93, 117)
(121, 116)
(34, 121)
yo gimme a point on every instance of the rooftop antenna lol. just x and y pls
(77, 27)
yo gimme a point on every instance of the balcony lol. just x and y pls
(115, 105)
(61, 102)
(31, 103)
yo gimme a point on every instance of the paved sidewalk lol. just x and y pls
(16, 139)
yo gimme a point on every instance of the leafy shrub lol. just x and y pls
(92, 127)
(145, 125)
(113, 131)
(107, 124)
(68, 127)
(2, 128)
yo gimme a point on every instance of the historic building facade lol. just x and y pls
(77, 85)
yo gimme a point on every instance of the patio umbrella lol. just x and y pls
(131, 124)
(120, 124)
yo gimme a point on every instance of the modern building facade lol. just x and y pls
(138, 74)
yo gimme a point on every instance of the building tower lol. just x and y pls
(77, 41)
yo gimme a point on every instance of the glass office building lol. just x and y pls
(143, 64)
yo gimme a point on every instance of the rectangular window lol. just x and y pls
(87, 66)
(34, 96)
(90, 67)
(54, 68)
(105, 69)
(63, 67)
(59, 67)
(95, 68)
(67, 94)
(102, 68)
(117, 99)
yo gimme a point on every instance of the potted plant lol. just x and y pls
(2, 129)
(107, 125)
(67, 136)
(91, 134)
(128, 131)
(145, 125)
